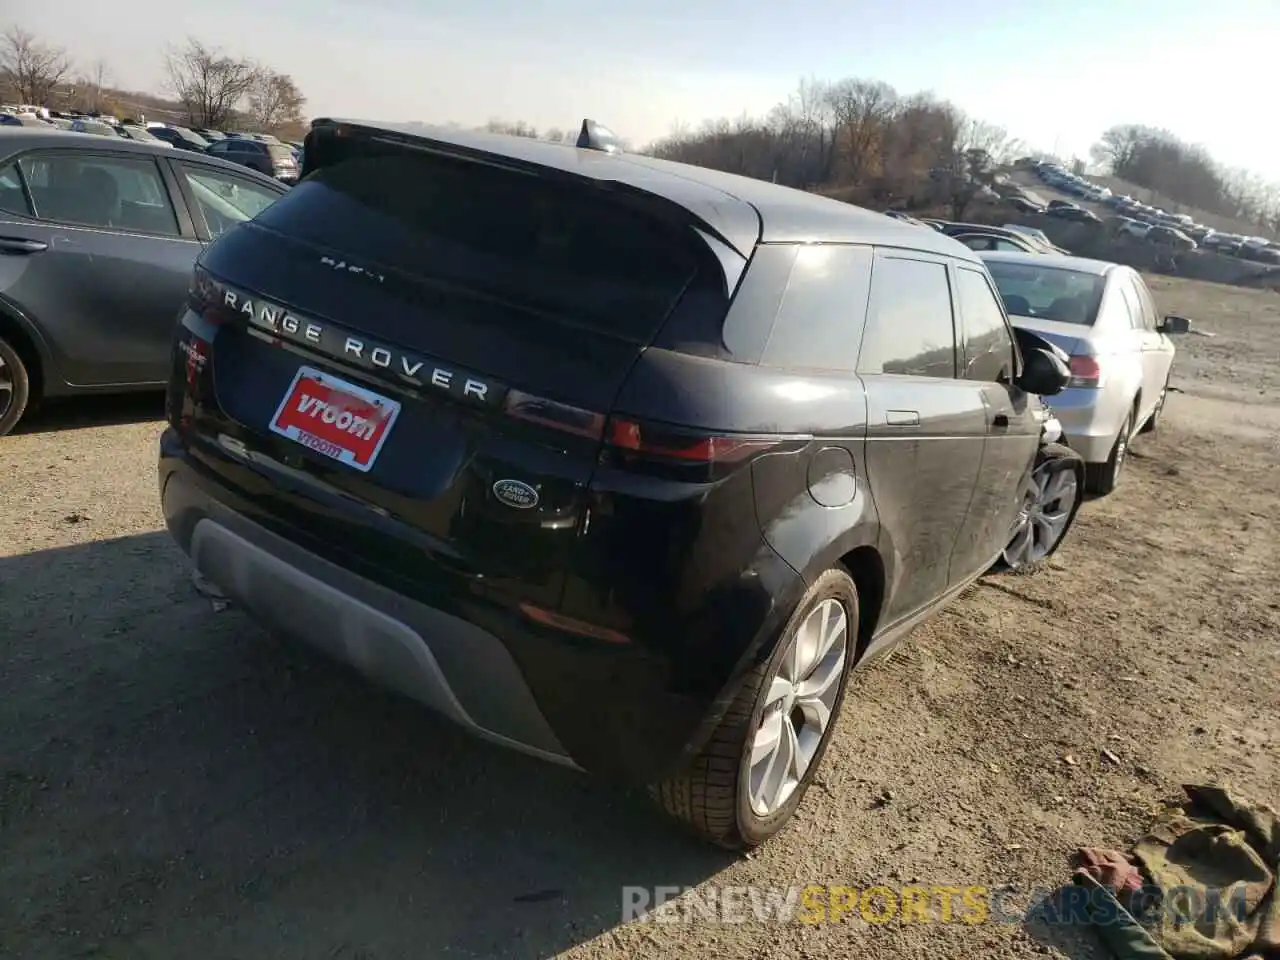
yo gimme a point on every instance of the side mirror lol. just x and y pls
(1172, 324)
(1043, 373)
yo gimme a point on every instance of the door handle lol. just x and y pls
(1000, 421)
(21, 245)
(902, 418)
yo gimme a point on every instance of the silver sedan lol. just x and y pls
(1103, 315)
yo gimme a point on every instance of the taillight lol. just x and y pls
(650, 448)
(1085, 372)
(631, 438)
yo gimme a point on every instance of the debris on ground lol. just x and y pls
(210, 590)
(1200, 885)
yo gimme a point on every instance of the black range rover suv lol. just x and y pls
(619, 462)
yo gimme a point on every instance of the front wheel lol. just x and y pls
(747, 781)
(1050, 501)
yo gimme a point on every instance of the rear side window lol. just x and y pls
(910, 329)
(820, 318)
(537, 251)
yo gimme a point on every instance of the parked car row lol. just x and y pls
(1178, 231)
(583, 479)
(258, 151)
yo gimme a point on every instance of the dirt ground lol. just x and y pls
(175, 785)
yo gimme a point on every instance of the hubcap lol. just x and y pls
(1046, 510)
(798, 706)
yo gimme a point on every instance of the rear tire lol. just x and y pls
(1101, 479)
(1153, 421)
(15, 388)
(717, 794)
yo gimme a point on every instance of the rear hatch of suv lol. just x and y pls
(412, 356)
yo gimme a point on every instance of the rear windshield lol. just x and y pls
(279, 151)
(1048, 293)
(550, 252)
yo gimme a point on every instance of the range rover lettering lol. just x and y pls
(621, 463)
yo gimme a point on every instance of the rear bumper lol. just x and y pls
(606, 708)
(1090, 420)
(384, 635)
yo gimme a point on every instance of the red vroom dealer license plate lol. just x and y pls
(336, 418)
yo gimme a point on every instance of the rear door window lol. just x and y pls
(910, 329)
(820, 319)
(115, 192)
(523, 249)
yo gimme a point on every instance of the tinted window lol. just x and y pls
(820, 319)
(12, 198)
(976, 242)
(988, 345)
(909, 325)
(226, 199)
(1047, 292)
(533, 250)
(219, 146)
(123, 193)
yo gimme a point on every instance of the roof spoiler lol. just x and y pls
(596, 136)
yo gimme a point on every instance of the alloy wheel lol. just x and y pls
(6, 388)
(798, 707)
(1047, 507)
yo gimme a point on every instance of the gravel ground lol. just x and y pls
(177, 785)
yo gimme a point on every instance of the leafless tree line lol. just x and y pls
(857, 139)
(1159, 161)
(212, 88)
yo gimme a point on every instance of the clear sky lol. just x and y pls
(1054, 72)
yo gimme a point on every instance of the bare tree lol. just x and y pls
(989, 138)
(34, 69)
(862, 110)
(555, 135)
(275, 101)
(209, 84)
(92, 86)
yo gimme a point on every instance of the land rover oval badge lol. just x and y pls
(516, 493)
